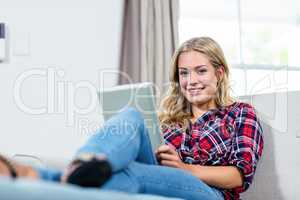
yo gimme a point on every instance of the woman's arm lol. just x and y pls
(226, 177)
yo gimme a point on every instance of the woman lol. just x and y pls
(212, 146)
(221, 140)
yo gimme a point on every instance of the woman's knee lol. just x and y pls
(132, 111)
(132, 114)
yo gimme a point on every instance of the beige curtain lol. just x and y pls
(149, 38)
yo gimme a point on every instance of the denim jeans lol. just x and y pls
(125, 141)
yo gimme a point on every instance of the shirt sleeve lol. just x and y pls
(172, 135)
(247, 145)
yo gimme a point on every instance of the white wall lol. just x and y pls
(68, 43)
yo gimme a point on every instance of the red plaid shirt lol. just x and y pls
(230, 135)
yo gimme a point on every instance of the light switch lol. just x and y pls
(2, 42)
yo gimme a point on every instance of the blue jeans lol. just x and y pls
(125, 141)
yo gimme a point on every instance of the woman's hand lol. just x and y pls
(167, 156)
(226, 177)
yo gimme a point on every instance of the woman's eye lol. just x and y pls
(201, 71)
(183, 73)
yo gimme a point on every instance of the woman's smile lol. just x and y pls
(195, 91)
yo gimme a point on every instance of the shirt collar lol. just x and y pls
(220, 111)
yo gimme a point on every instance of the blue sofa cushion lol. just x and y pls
(24, 189)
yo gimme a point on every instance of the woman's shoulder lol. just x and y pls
(239, 108)
(244, 111)
(239, 105)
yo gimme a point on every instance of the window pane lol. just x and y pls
(266, 81)
(271, 30)
(215, 18)
(263, 81)
(270, 37)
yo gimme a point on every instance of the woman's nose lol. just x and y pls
(193, 78)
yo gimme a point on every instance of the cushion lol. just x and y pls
(24, 189)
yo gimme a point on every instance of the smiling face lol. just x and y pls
(197, 78)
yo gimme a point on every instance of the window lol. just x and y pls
(259, 39)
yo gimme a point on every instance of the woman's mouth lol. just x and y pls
(195, 91)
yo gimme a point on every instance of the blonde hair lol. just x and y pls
(175, 108)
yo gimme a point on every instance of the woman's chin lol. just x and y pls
(199, 99)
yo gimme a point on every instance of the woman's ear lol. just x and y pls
(220, 73)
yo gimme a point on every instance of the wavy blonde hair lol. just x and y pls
(175, 108)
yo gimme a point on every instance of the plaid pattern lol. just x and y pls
(230, 135)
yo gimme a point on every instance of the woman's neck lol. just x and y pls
(199, 110)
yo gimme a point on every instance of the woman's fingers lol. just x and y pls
(165, 149)
(169, 163)
(168, 157)
(165, 156)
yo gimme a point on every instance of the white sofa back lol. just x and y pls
(277, 173)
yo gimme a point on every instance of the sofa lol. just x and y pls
(276, 176)
(42, 190)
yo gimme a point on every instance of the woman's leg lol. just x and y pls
(123, 139)
(161, 180)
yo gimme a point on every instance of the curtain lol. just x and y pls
(149, 38)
